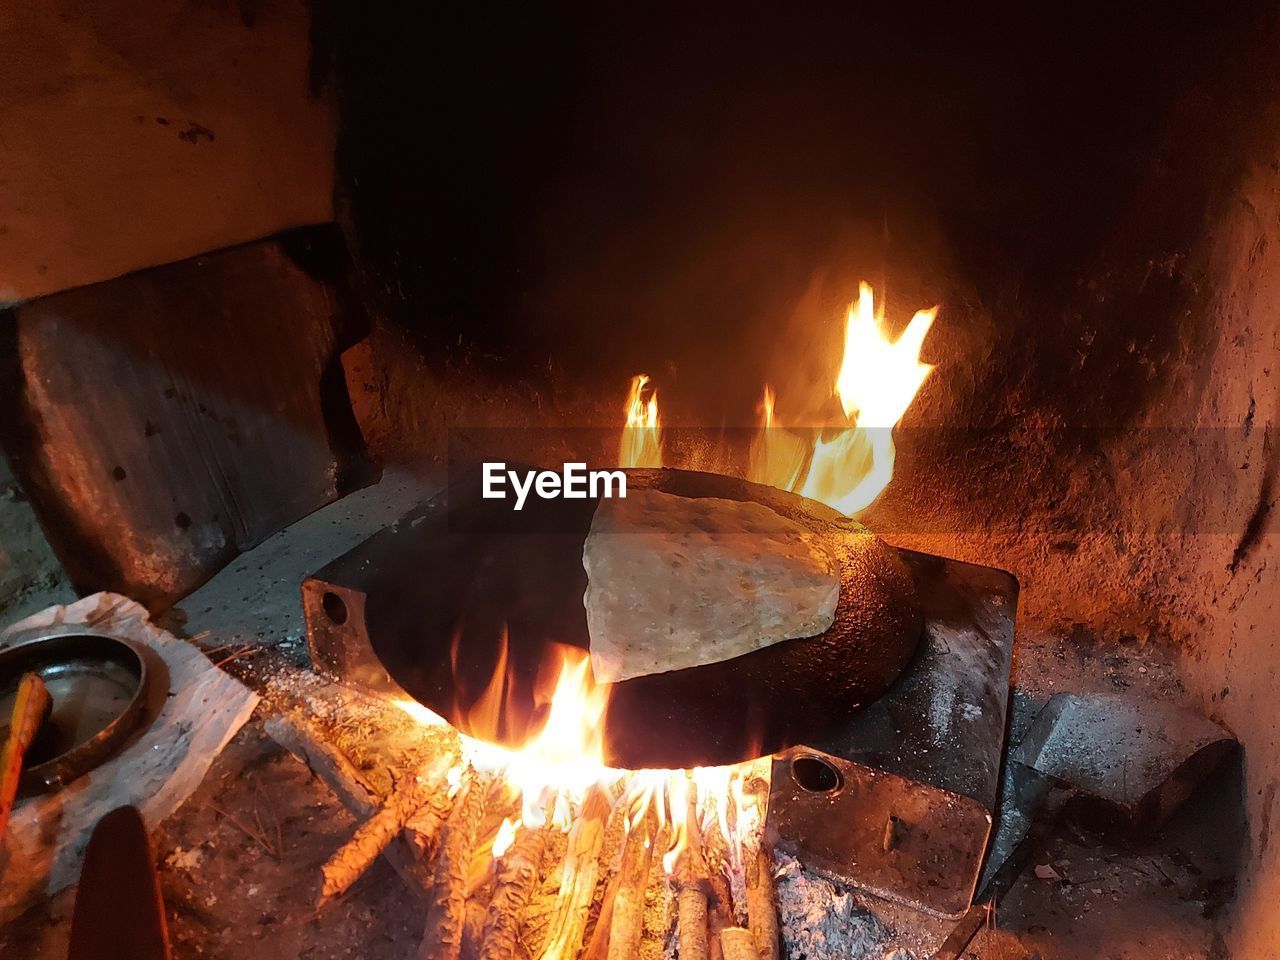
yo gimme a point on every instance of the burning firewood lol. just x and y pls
(720, 914)
(762, 903)
(693, 888)
(620, 922)
(762, 899)
(513, 888)
(626, 910)
(422, 829)
(446, 912)
(373, 836)
(578, 881)
(737, 943)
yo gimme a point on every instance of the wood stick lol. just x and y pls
(762, 903)
(691, 916)
(692, 888)
(30, 708)
(349, 862)
(762, 897)
(735, 867)
(738, 944)
(332, 767)
(626, 921)
(422, 829)
(482, 877)
(517, 876)
(474, 913)
(720, 901)
(326, 761)
(578, 882)
(598, 943)
(447, 906)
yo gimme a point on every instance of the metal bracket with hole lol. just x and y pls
(901, 801)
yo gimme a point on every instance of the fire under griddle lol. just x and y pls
(887, 761)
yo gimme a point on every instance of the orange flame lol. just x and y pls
(848, 466)
(558, 763)
(561, 762)
(505, 838)
(778, 457)
(641, 437)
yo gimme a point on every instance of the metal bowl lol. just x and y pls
(97, 684)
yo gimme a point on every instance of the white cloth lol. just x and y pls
(155, 772)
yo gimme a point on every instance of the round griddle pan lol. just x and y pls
(437, 624)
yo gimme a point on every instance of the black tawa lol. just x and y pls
(469, 572)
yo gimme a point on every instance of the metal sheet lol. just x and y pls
(888, 835)
(938, 733)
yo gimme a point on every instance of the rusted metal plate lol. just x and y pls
(928, 752)
(426, 603)
(164, 421)
(893, 837)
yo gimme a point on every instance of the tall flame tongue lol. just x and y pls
(641, 437)
(846, 465)
(563, 759)
(849, 465)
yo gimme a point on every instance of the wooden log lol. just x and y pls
(447, 906)
(626, 919)
(720, 913)
(692, 888)
(691, 916)
(30, 707)
(737, 943)
(762, 897)
(517, 876)
(349, 862)
(762, 903)
(422, 829)
(332, 767)
(474, 913)
(598, 943)
(578, 881)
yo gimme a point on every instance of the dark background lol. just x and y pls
(584, 192)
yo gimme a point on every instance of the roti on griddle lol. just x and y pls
(677, 582)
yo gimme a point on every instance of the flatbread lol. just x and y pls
(677, 582)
